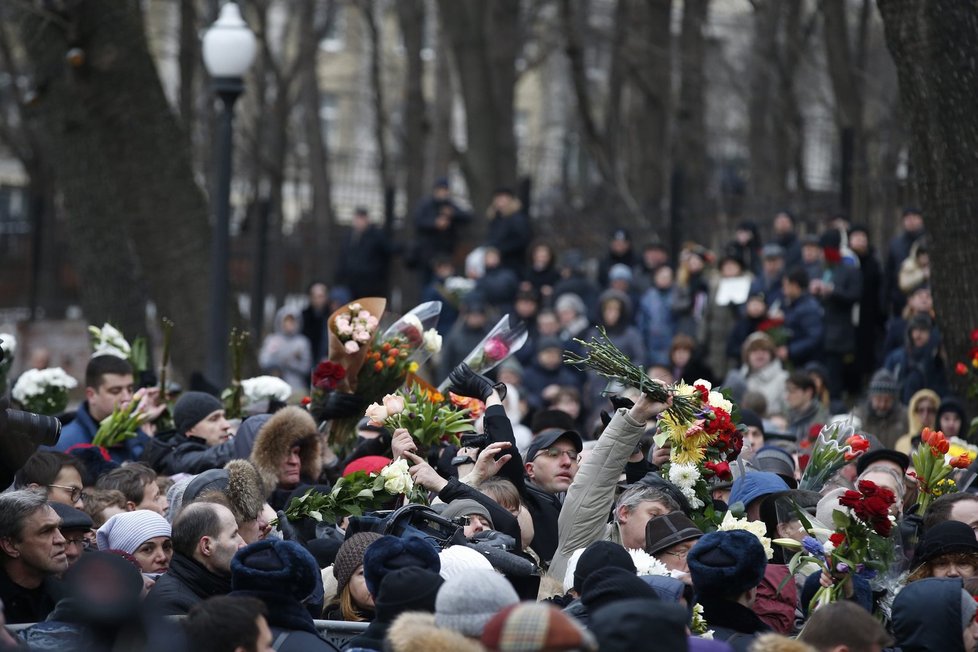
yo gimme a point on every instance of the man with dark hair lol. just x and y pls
(32, 553)
(844, 627)
(228, 624)
(802, 320)
(365, 256)
(314, 318)
(803, 408)
(137, 482)
(786, 237)
(57, 474)
(205, 538)
(959, 506)
(108, 385)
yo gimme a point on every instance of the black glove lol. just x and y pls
(340, 405)
(465, 382)
(288, 530)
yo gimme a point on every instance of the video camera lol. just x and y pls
(20, 435)
(419, 521)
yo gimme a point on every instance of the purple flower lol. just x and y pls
(812, 546)
(842, 567)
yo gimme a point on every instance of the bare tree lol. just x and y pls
(932, 44)
(415, 126)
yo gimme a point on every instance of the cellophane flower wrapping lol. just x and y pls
(836, 445)
(503, 340)
(425, 413)
(933, 463)
(44, 391)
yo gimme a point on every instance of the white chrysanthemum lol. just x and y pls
(261, 388)
(757, 528)
(35, 382)
(646, 564)
(683, 476)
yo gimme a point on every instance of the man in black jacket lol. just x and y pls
(205, 539)
(201, 441)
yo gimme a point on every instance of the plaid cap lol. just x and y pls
(535, 626)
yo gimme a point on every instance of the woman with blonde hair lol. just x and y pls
(921, 413)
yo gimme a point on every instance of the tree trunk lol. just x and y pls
(122, 166)
(439, 147)
(691, 117)
(485, 40)
(411, 18)
(189, 58)
(767, 188)
(377, 93)
(932, 44)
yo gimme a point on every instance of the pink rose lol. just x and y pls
(394, 404)
(496, 349)
(377, 414)
(351, 347)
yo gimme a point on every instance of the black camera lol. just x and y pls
(473, 440)
(20, 435)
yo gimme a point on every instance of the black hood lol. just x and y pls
(927, 616)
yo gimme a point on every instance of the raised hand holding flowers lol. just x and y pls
(502, 341)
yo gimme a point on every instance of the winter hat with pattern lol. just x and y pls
(530, 626)
(129, 530)
(467, 602)
(350, 557)
(192, 408)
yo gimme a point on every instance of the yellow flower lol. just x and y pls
(412, 368)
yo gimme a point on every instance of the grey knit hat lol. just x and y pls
(350, 557)
(466, 507)
(192, 408)
(884, 382)
(467, 602)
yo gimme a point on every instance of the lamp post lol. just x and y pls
(229, 49)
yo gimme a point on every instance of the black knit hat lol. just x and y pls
(727, 563)
(608, 585)
(407, 589)
(946, 538)
(192, 408)
(601, 554)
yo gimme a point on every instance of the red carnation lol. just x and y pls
(704, 393)
(837, 539)
(961, 369)
(720, 469)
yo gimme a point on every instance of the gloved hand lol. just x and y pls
(465, 382)
(340, 405)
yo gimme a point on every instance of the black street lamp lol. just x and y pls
(229, 49)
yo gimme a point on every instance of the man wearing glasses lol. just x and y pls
(57, 474)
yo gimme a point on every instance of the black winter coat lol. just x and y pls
(840, 333)
(183, 586)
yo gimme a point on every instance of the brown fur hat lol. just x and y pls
(288, 427)
(245, 491)
(416, 632)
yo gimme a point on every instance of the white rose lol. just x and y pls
(717, 400)
(432, 341)
(705, 383)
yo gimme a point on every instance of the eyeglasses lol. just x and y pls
(679, 554)
(74, 492)
(925, 410)
(82, 543)
(554, 453)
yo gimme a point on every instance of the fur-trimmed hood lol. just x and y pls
(246, 490)
(287, 427)
(416, 632)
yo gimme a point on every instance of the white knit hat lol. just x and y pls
(129, 530)
(459, 560)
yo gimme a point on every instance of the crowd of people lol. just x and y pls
(555, 530)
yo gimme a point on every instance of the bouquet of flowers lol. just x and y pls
(932, 465)
(423, 413)
(701, 447)
(44, 391)
(400, 350)
(757, 528)
(859, 545)
(605, 359)
(266, 388)
(123, 423)
(836, 445)
(502, 341)
(775, 329)
(109, 340)
(350, 329)
(356, 494)
(8, 345)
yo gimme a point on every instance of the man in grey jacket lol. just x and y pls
(584, 516)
